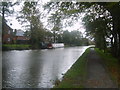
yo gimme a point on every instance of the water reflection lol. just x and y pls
(37, 68)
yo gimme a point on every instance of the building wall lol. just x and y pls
(7, 35)
(21, 40)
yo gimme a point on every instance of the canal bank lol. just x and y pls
(76, 75)
(91, 70)
(6, 47)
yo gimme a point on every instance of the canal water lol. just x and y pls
(37, 68)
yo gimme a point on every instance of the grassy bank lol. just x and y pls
(112, 65)
(76, 75)
(15, 46)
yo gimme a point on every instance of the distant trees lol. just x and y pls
(74, 38)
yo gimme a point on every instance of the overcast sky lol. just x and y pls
(16, 25)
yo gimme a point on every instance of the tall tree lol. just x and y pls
(31, 14)
(55, 20)
(113, 8)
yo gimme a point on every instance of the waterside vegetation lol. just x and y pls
(76, 75)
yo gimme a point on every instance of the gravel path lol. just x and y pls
(97, 75)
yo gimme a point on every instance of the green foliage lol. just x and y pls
(5, 7)
(30, 13)
(97, 29)
(55, 21)
(74, 38)
(98, 23)
(75, 76)
(5, 11)
(109, 16)
(102, 20)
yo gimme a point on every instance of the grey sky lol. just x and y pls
(16, 25)
(76, 26)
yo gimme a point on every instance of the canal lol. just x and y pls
(37, 68)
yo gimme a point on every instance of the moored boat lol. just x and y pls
(55, 45)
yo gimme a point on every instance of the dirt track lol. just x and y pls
(98, 76)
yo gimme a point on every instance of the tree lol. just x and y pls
(98, 25)
(74, 38)
(5, 11)
(111, 8)
(66, 37)
(55, 20)
(31, 14)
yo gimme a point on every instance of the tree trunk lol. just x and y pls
(3, 22)
(119, 46)
(119, 39)
(115, 44)
(54, 37)
(116, 32)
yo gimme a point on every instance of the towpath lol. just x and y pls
(97, 75)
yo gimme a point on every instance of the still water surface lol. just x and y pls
(37, 68)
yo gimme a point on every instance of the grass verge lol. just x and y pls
(15, 46)
(75, 76)
(112, 65)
